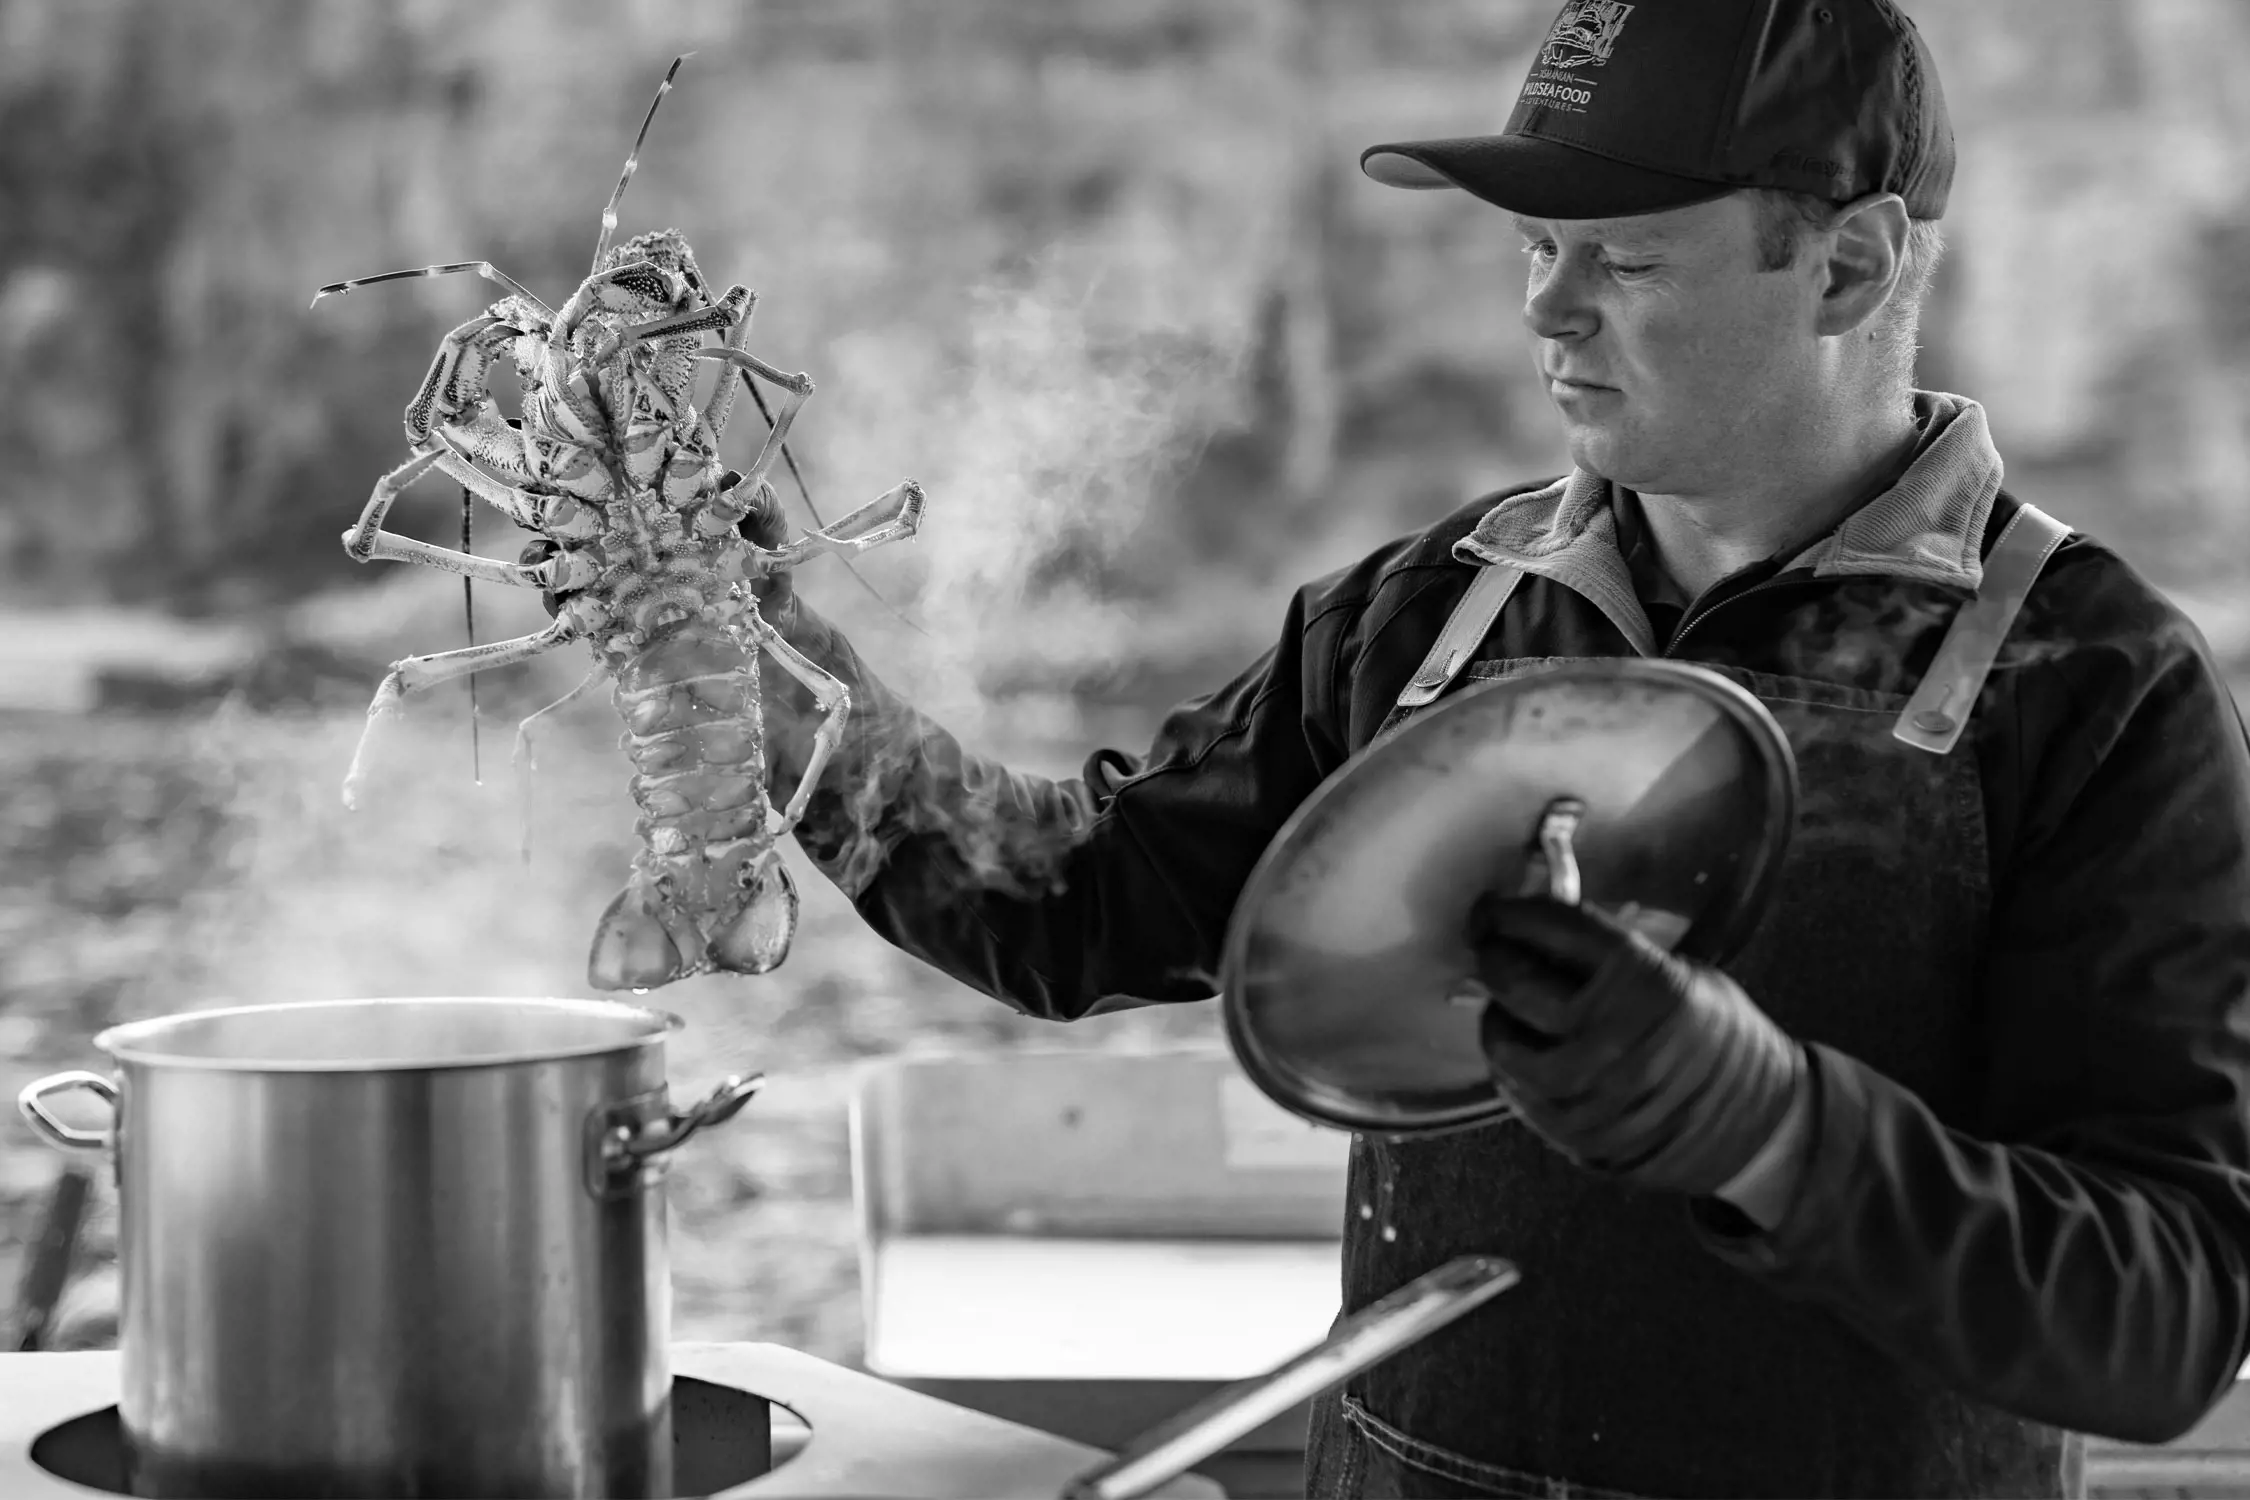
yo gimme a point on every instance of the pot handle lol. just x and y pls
(676, 1125)
(624, 1138)
(33, 1102)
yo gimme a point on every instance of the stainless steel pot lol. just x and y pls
(392, 1247)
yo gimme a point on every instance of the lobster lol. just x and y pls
(642, 555)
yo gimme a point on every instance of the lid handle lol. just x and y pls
(1558, 827)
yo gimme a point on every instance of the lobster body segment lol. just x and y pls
(708, 889)
(616, 469)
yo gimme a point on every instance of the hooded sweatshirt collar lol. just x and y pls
(1928, 527)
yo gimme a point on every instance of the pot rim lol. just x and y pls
(131, 1042)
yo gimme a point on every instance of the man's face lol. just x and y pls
(1673, 359)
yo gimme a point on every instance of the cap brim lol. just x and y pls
(1537, 178)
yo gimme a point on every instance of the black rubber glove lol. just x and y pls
(1629, 1061)
(767, 525)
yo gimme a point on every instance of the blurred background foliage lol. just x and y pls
(1106, 265)
(1103, 274)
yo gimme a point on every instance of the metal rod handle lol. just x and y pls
(1369, 1336)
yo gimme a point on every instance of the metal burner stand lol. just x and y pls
(868, 1438)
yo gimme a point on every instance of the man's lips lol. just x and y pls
(1575, 383)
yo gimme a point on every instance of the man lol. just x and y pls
(1953, 1156)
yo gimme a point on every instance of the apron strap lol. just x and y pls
(1932, 719)
(1471, 621)
(1939, 710)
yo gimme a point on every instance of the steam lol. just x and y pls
(1043, 409)
(1043, 433)
(1042, 429)
(1855, 632)
(1881, 637)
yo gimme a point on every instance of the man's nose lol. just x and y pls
(1555, 305)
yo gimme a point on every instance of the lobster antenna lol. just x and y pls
(484, 268)
(469, 622)
(633, 161)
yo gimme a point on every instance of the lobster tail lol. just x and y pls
(632, 950)
(708, 890)
(644, 942)
(758, 938)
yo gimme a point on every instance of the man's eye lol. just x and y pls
(1540, 249)
(1624, 268)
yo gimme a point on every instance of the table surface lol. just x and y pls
(869, 1438)
(993, 1307)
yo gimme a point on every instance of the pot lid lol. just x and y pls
(1349, 940)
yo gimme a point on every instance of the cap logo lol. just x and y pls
(1585, 33)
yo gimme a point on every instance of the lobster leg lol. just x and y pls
(798, 387)
(526, 764)
(896, 515)
(560, 516)
(459, 378)
(831, 697)
(721, 405)
(418, 672)
(724, 313)
(359, 542)
(388, 546)
(368, 542)
(563, 516)
(455, 402)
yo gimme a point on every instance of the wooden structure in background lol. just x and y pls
(1089, 1243)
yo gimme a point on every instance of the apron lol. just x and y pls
(1630, 1361)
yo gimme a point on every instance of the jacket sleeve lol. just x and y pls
(2089, 1265)
(1065, 897)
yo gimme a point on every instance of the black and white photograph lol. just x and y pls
(1082, 749)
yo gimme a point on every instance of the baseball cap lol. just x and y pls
(1630, 108)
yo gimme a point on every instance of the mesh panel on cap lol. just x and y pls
(1910, 79)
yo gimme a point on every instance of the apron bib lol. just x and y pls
(1630, 1361)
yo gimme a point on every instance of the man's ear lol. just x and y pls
(1866, 248)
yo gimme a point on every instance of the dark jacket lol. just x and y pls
(2075, 1247)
